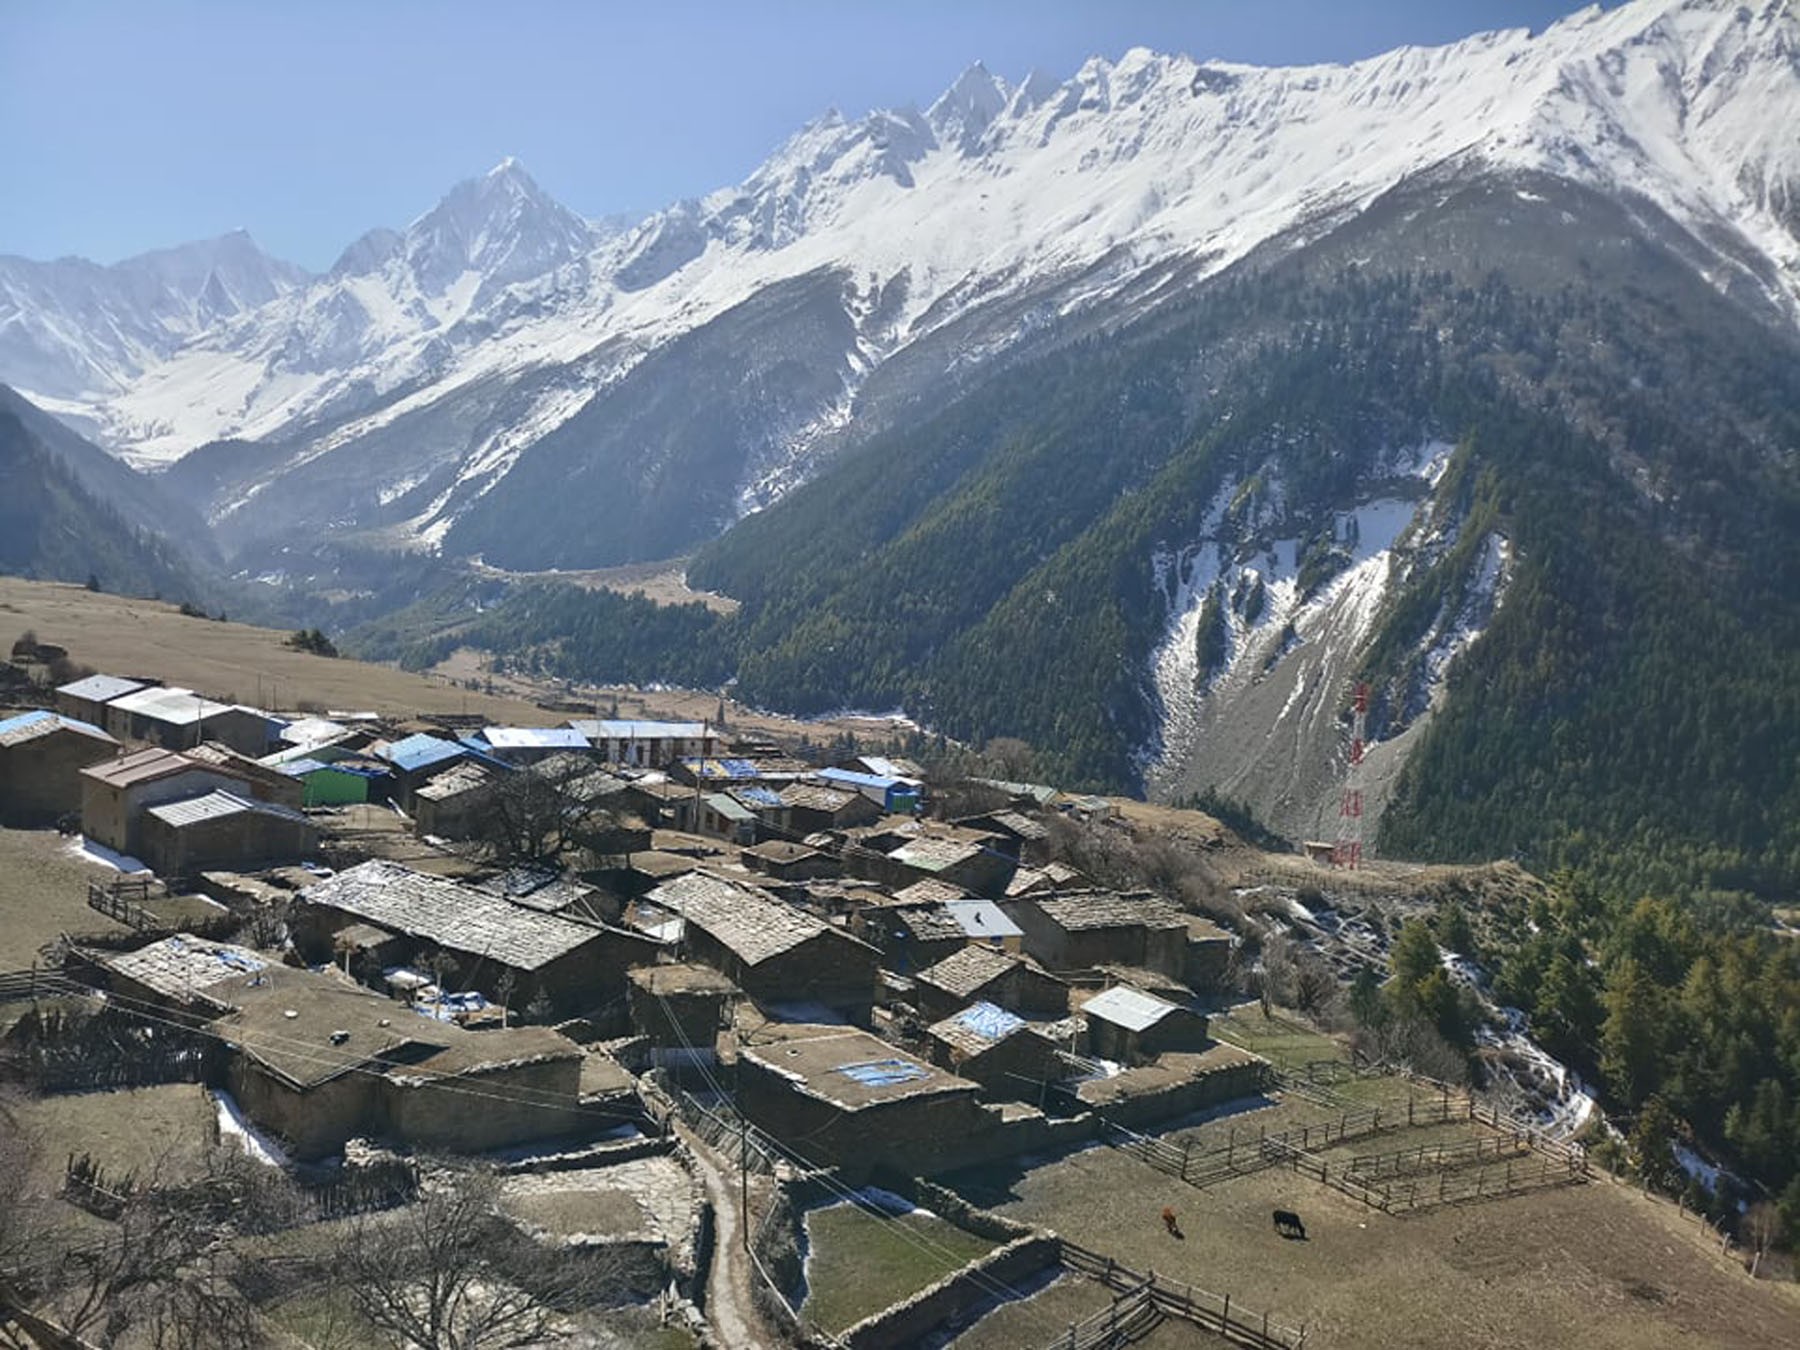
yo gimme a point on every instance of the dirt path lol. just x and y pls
(730, 1311)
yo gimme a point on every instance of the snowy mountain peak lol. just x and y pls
(501, 225)
(967, 108)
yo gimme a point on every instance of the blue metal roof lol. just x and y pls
(24, 720)
(421, 751)
(864, 780)
(757, 796)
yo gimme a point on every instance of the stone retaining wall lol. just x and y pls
(908, 1321)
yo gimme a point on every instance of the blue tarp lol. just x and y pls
(884, 1072)
(989, 1021)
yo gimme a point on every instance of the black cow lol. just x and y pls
(1287, 1223)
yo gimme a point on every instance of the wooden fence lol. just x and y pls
(724, 1129)
(24, 986)
(124, 899)
(1131, 1317)
(1251, 1152)
(1210, 1312)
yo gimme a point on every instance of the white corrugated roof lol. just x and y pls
(534, 738)
(1130, 1008)
(215, 805)
(101, 688)
(178, 706)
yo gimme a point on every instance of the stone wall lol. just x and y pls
(538, 1099)
(40, 779)
(908, 1321)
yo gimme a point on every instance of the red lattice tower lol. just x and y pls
(1348, 850)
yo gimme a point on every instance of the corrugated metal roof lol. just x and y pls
(882, 767)
(983, 919)
(1130, 1008)
(604, 728)
(101, 688)
(216, 805)
(861, 780)
(311, 731)
(299, 768)
(729, 807)
(534, 738)
(176, 706)
(421, 750)
(143, 766)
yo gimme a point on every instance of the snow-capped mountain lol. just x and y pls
(73, 330)
(437, 358)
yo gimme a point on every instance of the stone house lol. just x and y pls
(991, 1046)
(813, 809)
(1030, 838)
(644, 744)
(1128, 1026)
(451, 804)
(42, 755)
(576, 967)
(974, 862)
(116, 793)
(191, 977)
(680, 1010)
(224, 831)
(784, 860)
(179, 719)
(86, 700)
(773, 952)
(1084, 930)
(319, 1061)
(981, 974)
(858, 1102)
(418, 758)
(913, 937)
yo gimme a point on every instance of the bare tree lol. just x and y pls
(449, 1273)
(536, 818)
(1761, 1226)
(160, 1271)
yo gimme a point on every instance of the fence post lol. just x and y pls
(1225, 1317)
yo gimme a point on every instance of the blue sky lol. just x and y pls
(128, 126)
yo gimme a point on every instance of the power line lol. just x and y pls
(919, 1240)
